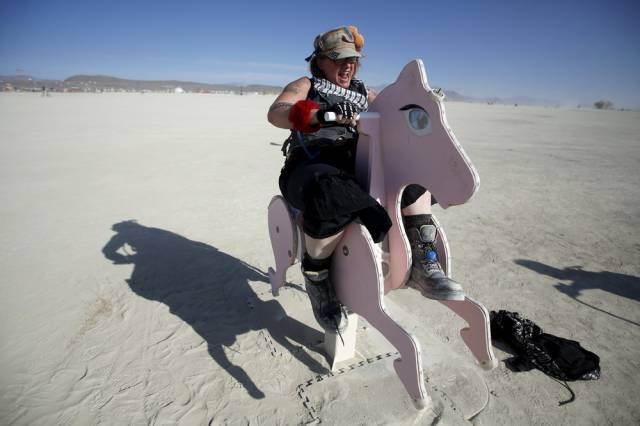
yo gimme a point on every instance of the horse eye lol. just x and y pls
(417, 119)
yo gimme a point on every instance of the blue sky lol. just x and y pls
(570, 51)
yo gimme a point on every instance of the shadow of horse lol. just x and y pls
(627, 286)
(209, 290)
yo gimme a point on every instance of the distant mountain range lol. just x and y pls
(100, 83)
(517, 100)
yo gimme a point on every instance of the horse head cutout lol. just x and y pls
(417, 144)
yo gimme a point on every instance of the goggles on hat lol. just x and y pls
(335, 44)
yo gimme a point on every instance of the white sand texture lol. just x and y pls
(170, 319)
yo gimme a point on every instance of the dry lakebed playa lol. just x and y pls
(134, 250)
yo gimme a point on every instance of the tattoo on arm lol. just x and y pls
(279, 105)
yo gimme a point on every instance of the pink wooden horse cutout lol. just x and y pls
(404, 139)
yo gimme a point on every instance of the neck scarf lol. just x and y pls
(326, 87)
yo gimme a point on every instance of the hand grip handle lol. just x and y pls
(330, 116)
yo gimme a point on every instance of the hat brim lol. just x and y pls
(342, 53)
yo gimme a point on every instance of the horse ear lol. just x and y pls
(415, 74)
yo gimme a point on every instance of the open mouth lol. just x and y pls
(344, 77)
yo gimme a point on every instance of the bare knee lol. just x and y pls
(421, 206)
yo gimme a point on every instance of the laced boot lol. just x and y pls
(327, 309)
(427, 275)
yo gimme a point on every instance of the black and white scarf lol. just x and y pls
(326, 87)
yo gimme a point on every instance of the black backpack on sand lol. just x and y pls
(560, 358)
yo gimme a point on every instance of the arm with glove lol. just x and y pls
(308, 116)
(291, 110)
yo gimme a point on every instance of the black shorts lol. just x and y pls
(411, 194)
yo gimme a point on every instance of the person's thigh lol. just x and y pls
(302, 178)
(328, 198)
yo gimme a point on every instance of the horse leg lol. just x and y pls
(477, 336)
(284, 241)
(357, 278)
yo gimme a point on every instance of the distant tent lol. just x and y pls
(178, 90)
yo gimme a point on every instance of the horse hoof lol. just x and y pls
(421, 403)
(489, 364)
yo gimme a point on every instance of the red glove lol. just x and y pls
(300, 116)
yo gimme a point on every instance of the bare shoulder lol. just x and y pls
(301, 85)
(295, 91)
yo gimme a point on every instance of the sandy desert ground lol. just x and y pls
(169, 320)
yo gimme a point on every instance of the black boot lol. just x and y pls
(427, 275)
(327, 309)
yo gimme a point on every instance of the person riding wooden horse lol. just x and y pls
(318, 177)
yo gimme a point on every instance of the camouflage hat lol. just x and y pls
(335, 44)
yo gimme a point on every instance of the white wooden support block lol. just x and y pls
(340, 350)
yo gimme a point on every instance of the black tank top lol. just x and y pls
(329, 141)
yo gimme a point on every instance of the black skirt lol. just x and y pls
(327, 193)
(324, 188)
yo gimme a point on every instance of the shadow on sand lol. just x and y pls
(622, 285)
(209, 290)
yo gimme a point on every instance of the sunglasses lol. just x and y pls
(352, 60)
